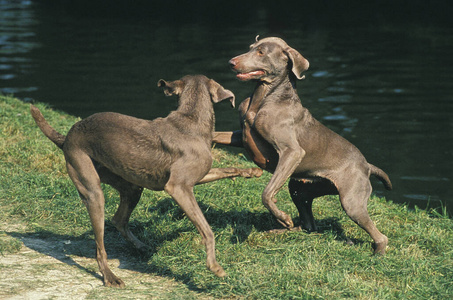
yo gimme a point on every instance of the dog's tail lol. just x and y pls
(381, 175)
(48, 131)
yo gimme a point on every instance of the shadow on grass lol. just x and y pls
(64, 247)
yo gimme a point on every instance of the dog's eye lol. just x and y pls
(260, 52)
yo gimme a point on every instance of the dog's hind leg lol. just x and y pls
(303, 199)
(129, 196)
(83, 173)
(303, 192)
(183, 195)
(354, 198)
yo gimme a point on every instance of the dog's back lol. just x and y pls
(143, 151)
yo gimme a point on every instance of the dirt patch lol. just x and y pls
(51, 267)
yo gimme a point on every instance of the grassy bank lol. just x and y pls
(35, 191)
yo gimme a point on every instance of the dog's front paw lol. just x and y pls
(252, 172)
(286, 221)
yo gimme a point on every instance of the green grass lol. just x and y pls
(35, 190)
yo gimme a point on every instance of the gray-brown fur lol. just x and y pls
(282, 137)
(171, 154)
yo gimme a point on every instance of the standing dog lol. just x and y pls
(171, 154)
(282, 137)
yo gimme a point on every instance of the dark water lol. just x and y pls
(380, 75)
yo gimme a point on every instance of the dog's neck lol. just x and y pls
(198, 114)
(283, 87)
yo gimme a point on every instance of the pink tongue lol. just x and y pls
(245, 76)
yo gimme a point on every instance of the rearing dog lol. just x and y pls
(171, 154)
(282, 137)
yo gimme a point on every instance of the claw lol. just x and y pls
(288, 223)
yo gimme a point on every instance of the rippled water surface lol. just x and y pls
(384, 85)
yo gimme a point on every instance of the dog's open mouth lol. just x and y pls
(250, 75)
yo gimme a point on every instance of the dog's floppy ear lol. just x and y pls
(171, 87)
(300, 64)
(218, 93)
